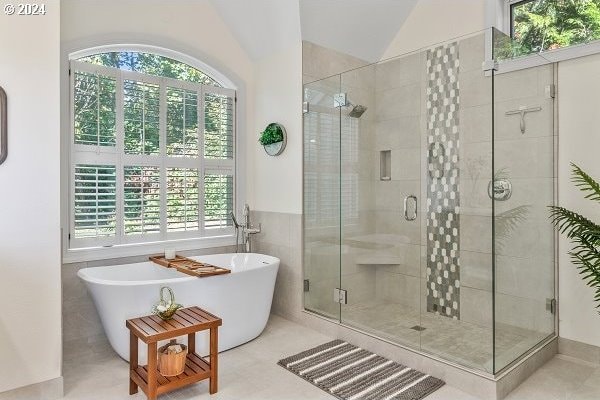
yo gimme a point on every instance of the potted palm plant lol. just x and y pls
(583, 233)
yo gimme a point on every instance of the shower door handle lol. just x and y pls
(414, 216)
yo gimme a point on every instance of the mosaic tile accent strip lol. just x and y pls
(443, 194)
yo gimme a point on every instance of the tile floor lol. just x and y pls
(466, 343)
(250, 372)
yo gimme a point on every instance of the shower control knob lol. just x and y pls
(500, 189)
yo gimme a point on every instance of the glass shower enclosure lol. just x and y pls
(426, 182)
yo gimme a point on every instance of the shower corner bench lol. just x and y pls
(151, 329)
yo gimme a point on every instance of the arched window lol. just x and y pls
(152, 151)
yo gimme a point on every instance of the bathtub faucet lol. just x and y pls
(246, 231)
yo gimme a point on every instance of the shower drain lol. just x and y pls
(418, 328)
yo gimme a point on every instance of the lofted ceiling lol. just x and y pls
(361, 28)
(262, 27)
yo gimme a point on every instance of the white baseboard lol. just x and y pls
(580, 350)
(47, 390)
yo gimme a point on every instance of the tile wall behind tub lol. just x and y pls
(281, 237)
(81, 323)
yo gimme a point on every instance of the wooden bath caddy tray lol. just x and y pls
(189, 266)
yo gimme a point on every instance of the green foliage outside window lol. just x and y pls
(151, 64)
(95, 124)
(543, 25)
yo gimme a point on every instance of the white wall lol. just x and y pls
(579, 142)
(434, 21)
(30, 321)
(193, 25)
(275, 183)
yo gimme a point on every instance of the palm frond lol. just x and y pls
(507, 222)
(584, 234)
(586, 257)
(585, 183)
(573, 224)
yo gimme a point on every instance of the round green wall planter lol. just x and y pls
(273, 139)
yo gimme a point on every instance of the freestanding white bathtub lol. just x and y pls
(242, 298)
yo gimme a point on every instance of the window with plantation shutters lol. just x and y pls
(182, 199)
(95, 109)
(94, 201)
(152, 157)
(141, 200)
(218, 126)
(182, 122)
(141, 110)
(218, 199)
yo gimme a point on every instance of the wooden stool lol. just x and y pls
(150, 329)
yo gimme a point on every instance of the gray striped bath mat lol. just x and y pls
(350, 373)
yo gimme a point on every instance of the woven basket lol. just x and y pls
(169, 306)
(171, 364)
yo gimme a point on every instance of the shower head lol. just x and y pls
(357, 111)
(341, 100)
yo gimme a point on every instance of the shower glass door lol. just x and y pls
(381, 199)
(426, 181)
(524, 239)
(322, 196)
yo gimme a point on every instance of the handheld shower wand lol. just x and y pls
(235, 223)
(237, 231)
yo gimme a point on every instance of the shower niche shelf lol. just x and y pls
(385, 165)
(378, 260)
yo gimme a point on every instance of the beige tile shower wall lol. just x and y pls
(357, 137)
(281, 237)
(319, 62)
(524, 235)
(323, 256)
(524, 240)
(81, 323)
(399, 128)
(475, 163)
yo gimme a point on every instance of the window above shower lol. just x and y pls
(557, 29)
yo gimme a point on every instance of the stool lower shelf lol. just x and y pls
(150, 330)
(196, 369)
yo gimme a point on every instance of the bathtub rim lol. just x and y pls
(84, 273)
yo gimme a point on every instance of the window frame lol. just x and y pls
(121, 245)
(508, 14)
(537, 59)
